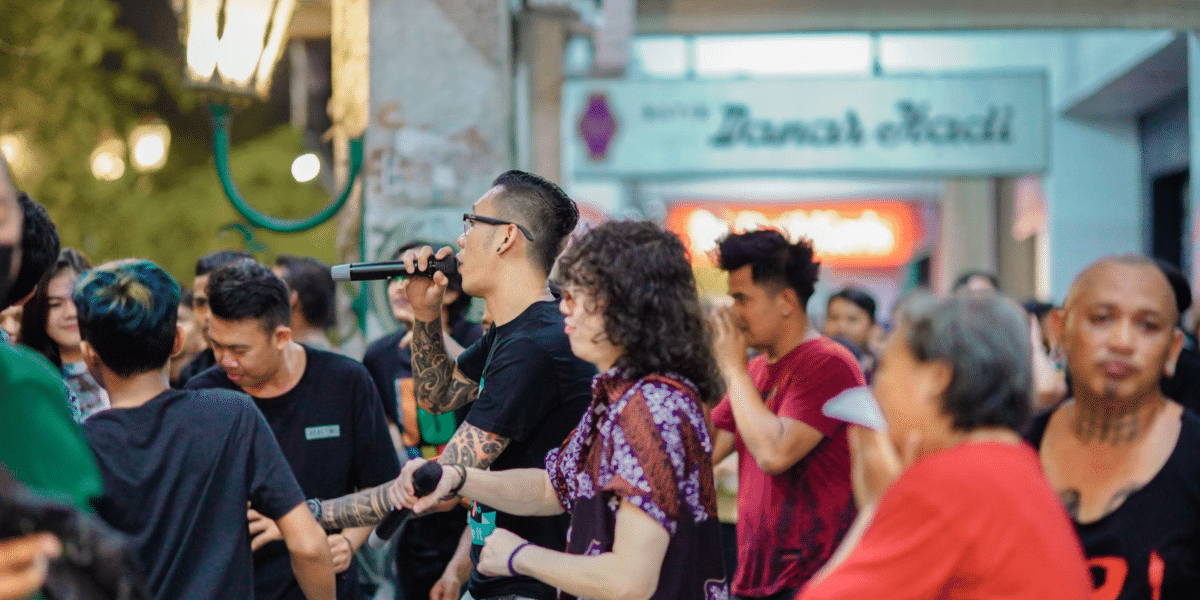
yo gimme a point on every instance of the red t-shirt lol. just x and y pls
(790, 524)
(978, 522)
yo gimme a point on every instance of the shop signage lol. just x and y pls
(960, 125)
(855, 234)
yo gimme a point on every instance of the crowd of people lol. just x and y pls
(1022, 452)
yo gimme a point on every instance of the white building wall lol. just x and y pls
(1093, 186)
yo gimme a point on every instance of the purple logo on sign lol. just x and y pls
(597, 126)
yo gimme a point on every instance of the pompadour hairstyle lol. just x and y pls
(543, 208)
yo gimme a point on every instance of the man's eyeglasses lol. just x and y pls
(469, 221)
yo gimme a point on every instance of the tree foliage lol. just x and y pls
(71, 76)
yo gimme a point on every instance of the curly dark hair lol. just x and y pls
(773, 261)
(640, 273)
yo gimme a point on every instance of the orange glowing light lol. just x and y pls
(852, 234)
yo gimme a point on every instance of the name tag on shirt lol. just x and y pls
(323, 432)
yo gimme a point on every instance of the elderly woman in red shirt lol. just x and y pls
(952, 503)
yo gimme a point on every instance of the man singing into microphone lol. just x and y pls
(526, 389)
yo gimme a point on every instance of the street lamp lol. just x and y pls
(232, 49)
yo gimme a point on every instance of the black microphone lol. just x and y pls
(392, 268)
(424, 481)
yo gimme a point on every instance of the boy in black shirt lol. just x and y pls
(527, 391)
(179, 467)
(322, 407)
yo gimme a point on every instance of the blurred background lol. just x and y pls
(911, 139)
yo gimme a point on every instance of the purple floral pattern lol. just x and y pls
(645, 441)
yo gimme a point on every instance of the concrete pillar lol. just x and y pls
(1016, 260)
(542, 48)
(1192, 196)
(439, 128)
(968, 230)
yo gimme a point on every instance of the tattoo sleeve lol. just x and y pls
(359, 509)
(473, 447)
(438, 384)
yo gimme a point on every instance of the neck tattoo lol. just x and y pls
(1107, 420)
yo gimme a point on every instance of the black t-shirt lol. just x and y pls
(177, 473)
(387, 362)
(534, 391)
(332, 431)
(201, 363)
(1149, 547)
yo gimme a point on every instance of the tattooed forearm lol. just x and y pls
(473, 447)
(367, 507)
(438, 385)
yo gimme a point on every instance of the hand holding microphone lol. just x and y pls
(424, 480)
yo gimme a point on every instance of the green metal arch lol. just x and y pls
(220, 120)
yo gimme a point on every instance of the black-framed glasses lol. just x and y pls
(469, 220)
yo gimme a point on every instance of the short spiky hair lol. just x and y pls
(313, 283)
(542, 207)
(216, 259)
(127, 312)
(245, 289)
(773, 260)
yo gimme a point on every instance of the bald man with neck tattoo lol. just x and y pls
(1121, 455)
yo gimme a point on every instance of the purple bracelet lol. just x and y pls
(511, 570)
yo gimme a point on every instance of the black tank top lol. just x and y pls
(1149, 547)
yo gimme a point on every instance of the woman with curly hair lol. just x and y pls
(636, 474)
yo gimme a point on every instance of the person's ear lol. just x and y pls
(177, 347)
(510, 238)
(90, 357)
(1057, 323)
(940, 374)
(283, 336)
(790, 301)
(1173, 352)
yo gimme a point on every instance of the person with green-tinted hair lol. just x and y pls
(180, 466)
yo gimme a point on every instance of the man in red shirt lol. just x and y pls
(795, 501)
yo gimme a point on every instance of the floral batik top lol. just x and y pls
(645, 442)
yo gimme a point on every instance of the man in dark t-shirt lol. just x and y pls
(322, 407)
(525, 389)
(1121, 454)
(179, 466)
